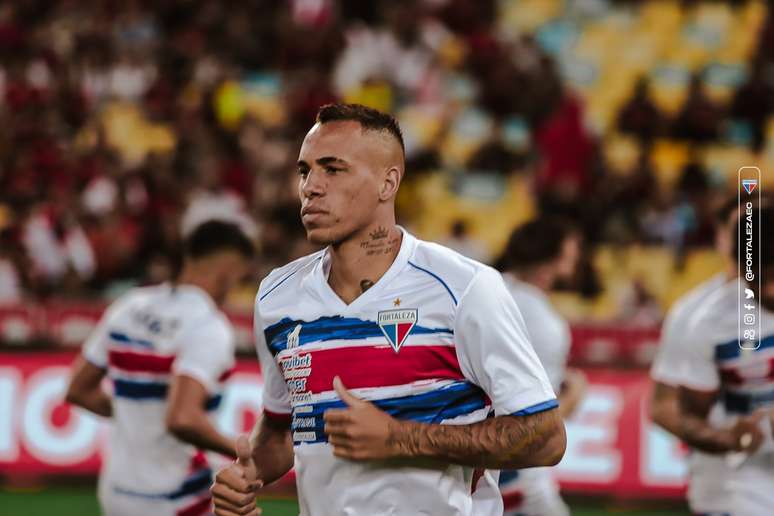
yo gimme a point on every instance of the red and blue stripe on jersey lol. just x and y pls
(139, 373)
(362, 357)
(747, 376)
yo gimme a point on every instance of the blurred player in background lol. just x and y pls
(167, 349)
(707, 486)
(538, 254)
(422, 335)
(716, 369)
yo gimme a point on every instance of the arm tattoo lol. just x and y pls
(503, 442)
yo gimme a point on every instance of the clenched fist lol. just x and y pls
(236, 485)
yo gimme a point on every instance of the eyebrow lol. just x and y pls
(325, 160)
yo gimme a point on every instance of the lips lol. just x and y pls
(312, 211)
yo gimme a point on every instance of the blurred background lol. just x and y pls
(124, 124)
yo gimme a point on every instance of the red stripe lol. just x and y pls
(198, 508)
(477, 474)
(732, 375)
(513, 499)
(362, 367)
(276, 416)
(198, 461)
(226, 375)
(140, 362)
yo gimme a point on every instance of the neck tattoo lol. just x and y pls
(366, 284)
(379, 243)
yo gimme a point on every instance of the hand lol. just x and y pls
(236, 485)
(361, 431)
(747, 434)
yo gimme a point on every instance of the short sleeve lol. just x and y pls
(95, 349)
(207, 354)
(494, 350)
(668, 362)
(698, 369)
(276, 398)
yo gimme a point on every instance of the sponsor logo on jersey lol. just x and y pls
(397, 324)
(293, 337)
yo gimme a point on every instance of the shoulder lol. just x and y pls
(292, 272)
(715, 317)
(453, 271)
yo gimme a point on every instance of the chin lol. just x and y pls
(320, 236)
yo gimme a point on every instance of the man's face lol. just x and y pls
(341, 171)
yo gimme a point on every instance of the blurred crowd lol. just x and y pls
(123, 124)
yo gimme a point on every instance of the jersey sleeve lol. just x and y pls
(207, 354)
(276, 398)
(698, 369)
(494, 350)
(668, 362)
(95, 349)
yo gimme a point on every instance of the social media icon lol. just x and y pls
(749, 307)
(748, 293)
(749, 318)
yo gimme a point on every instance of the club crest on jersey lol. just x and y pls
(397, 324)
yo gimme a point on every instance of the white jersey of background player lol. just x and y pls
(717, 369)
(533, 264)
(166, 350)
(430, 343)
(707, 487)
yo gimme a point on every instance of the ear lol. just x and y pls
(390, 184)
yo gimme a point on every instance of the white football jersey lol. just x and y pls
(144, 338)
(438, 339)
(535, 490)
(745, 381)
(707, 474)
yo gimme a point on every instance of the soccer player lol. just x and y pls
(707, 486)
(717, 369)
(383, 355)
(538, 254)
(166, 349)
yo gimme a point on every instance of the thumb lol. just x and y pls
(346, 396)
(243, 451)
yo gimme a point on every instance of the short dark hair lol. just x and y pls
(369, 119)
(724, 211)
(534, 243)
(214, 236)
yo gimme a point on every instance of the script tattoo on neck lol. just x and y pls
(366, 284)
(379, 242)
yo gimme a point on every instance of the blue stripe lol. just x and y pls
(139, 390)
(283, 280)
(213, 402)
(730, 350)
(126, 339)
(436, 277)
(508, 476)
(538, 407)
(197, 482)
(746, 403)
(448, 402)
(331, 328)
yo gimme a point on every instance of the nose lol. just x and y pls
(313, 185)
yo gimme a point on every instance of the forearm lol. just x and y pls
(95, 400)
(697, 433)
(272, 449)
(569, 399)
(504, 442)
(200, 432)
(664, 408)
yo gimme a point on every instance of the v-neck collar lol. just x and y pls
(322, 270)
